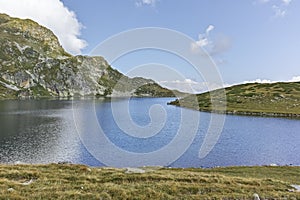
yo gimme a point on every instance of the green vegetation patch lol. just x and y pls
(276, 99)
(31, 52)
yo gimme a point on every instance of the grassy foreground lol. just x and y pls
(55, 181)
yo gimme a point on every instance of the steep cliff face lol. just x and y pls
(33, 64)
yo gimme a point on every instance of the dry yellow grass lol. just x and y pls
(56, 181)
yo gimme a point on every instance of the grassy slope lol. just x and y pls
(253, 98)
(80, 182)
(142, 87)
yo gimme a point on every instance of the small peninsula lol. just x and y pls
(280, 99)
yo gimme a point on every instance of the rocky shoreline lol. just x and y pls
(244, 113)
(264, 114)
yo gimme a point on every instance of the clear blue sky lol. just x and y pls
(248, 39)
(262, 44)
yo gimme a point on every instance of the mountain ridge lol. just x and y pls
(33, 64)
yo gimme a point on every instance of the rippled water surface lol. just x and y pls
(44, 131)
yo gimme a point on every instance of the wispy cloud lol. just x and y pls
(263, 1)
(287, 2)
(280, 8)
(62, 22)
(214, 46)
(139, 3)
(209, 29)
(191, 86)
(293, 79)
(278, 11)
(203, 39)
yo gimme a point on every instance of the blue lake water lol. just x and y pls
(46, 131)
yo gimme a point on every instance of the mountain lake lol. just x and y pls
(52, 131)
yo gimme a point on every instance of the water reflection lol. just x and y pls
(37, 132)
(44, 131)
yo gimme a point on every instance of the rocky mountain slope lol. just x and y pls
(34, 64)
(276, 99)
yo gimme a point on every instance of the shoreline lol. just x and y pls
(150, 166)
(244, 113)
(227, 112)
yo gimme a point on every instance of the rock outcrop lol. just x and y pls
(34, 64)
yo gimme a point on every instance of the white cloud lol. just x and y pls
(209, 29)
(213, 47)
(263, 1)
(189, 86)
(278, 11)
(186, 85)
(280, 8)
(258, 81)
(51, 14)
(140, 3)
(203, 39)
(287, 2)
(293, 79)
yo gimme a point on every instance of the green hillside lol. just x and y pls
(33, 64)
(275, 99)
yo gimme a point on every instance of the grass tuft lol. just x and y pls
(81, 182)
